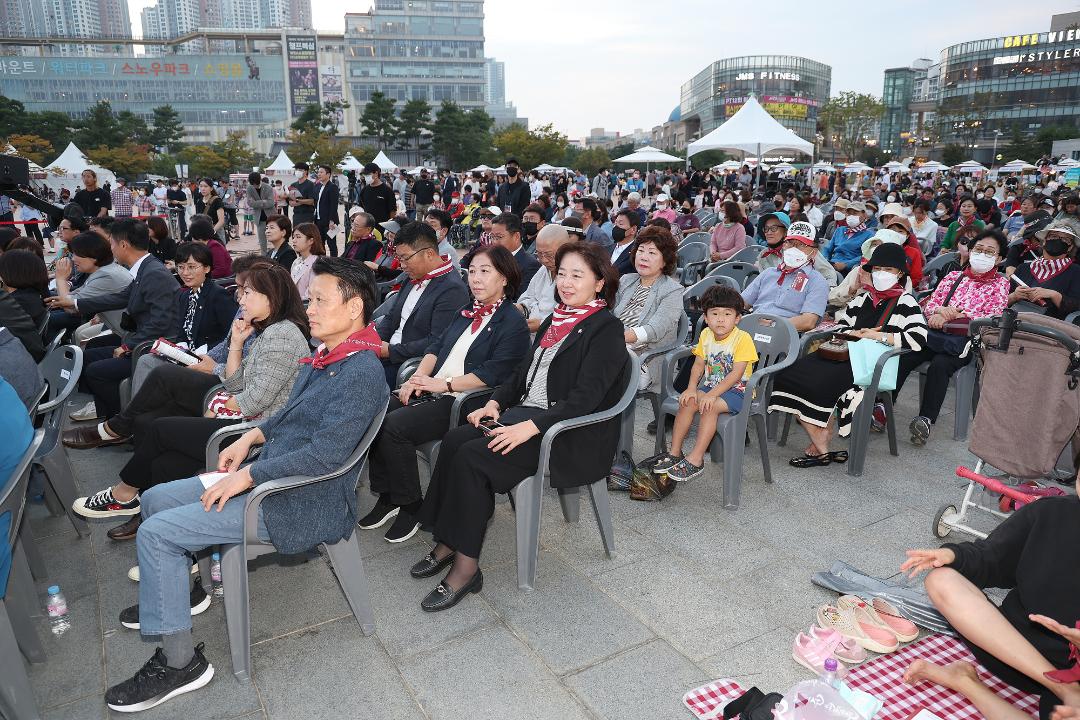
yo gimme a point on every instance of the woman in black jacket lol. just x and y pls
(480, 348)
(204, 309)
(576, 367)
(1054, 279)
(23, 274)
(162, 245)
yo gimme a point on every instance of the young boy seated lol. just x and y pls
(725, 356)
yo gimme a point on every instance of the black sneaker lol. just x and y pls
(379, 514)
(129, 617)
(104, 505)
(156, 682)
(403, 527)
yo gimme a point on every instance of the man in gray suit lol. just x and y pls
(425, 305)
(260, 197)
(149, 306)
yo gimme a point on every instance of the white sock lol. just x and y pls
(103, 433)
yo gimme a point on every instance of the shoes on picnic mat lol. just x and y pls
(854, 625)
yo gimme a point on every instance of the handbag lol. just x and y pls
(836, 347)
(649, 486)
(952, 338)
(864, 354)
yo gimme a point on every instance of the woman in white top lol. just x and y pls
(308, 244)
(480, 348)
(925, 229)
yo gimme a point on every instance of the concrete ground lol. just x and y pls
(694, 593)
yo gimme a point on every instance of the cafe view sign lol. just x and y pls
(1035, 52)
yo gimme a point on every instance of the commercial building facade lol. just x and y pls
(791, 88)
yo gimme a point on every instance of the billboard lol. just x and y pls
(180, 67)
(301, 57)
(779, 106)
(330, 84)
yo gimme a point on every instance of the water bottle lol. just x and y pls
(58, 610)
(830, 676)
(215, 574)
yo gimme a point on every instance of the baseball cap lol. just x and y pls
(390, 226)
(801, 231)
(842, 204)
(1057, 227)
(781, 216)
(493, 210)
(662, 197)
(857, 205)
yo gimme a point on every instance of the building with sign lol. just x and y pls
(790, 88)
(982, 91)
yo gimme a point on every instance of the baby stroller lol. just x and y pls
(1029, 410)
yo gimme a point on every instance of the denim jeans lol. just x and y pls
(175, 525)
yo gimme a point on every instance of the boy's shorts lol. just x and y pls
(733, 398)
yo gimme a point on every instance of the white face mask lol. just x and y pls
(891, 198)
(561, 204)
(939, 212)
(369, 178)
(883, 280)
(839, 216)
(853, 220)
(794, 257)
(981, 262)
(907, 212)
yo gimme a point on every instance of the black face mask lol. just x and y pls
(529, 228)
(511, 172)
(618, 234)
(687, 211)
(1055, 247)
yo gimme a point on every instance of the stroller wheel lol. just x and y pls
(939, 527)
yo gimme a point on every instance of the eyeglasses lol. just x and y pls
(189, 267)
(775, 228)
(403, 260)
(545, 255)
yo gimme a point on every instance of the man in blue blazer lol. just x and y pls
(624, 231)
(312, 435)
(425, 305)
(506, 231)
(150, 307)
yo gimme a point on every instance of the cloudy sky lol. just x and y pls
(618, 64)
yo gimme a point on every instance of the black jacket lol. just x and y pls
(515, 194)
(19, 324)
(441, 300)
(365, 250)
(624, 263)
(283, 256)
(379, 201)
(588, 374)
(214, 314)
(327, 203)
(496, 353)
(149, 301)
(32, 302)
(1067, 283)
(528, 265)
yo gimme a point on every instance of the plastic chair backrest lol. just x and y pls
(384, 307)
(55, 342)
(749, 254)
(743, 273)
(61, 370)
(939, 262)
(43, 326)
(709, 223)
(775, 339)
(702, 213)
(13, 490)
(692, 253)
(695, 237)
(693, 294)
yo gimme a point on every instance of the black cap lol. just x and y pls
(301, 166)
(1035, 222)
(887, 255)
(371, 168)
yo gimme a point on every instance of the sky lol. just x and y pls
(619, 64)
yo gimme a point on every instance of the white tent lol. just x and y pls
(480, 168)
(856, 167)
(783, 167)
(1067, 163)
(349, 163)
(647, 155)
(72, 162)
(728, 165)
(970, 166)
(384, 162)
(545, 168)
(931, 167)
(751, 129)
(281, 164)
(895, 166)
(822, 166)
(1016, 166)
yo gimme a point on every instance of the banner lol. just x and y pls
(779, 106)
(330, 83)
(302, 59)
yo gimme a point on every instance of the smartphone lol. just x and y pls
(489, 424)
(421, 398)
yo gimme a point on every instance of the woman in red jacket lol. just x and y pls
(914, 253)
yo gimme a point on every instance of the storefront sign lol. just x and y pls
(779, 106)
(768, 75)
(302, 58)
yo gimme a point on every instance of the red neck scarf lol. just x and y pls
(1043, 269)
(964, 223)
(564, 318)
(478, 312)
(443, 269)
(785, 271)
(366, 339)
(878, 295)
(777, 251)
(986, 277)
(849, 231)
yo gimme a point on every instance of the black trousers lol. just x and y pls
(62, 320)
(394, 473)
(461, 497)
(942, 367)
(168, 390)
(170, 448)
(331, 242)
(103, 373)
(33, 230)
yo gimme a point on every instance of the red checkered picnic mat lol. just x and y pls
(883, 678)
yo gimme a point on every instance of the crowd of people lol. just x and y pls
(530, 287)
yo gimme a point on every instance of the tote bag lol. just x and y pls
(864, 355)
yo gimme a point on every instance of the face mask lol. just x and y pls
(561, 204)
(529, 228)
(907, 212)
(511, 172)
(1055, 246)
(839, 215)
(883, 280)
(687, 211)
(981, 262)
(891, 198)
(794, 257)
(853, 220)
(618, 234)
(661, 206)
(369, 179)
(435, 198)
(1010, 198)
(939, 212)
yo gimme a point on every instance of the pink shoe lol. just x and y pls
(904, 629)
(855, 625)
(812, 654)
(846, 650)
(878, 637)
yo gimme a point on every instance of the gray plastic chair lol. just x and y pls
(386, 286)
(693, 258)
(741, 272)
(692, 295)
(965, 382)
(528, 494)
(61, 369)
(709, 222)
(385, 305)
(702, 213)
(344, 555)
(55, 342)
(749, 254)
(626, 435)
(777, 343)
(695, 237)
(932, 269)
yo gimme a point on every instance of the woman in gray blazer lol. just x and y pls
(649, 302)
(91, 256)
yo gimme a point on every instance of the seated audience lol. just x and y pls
(441, 222)
(162, 245)
(858, 278)
(967, 216)
(532, 222)
(538, 299)
(90, 256)
(278, 233)
(649, 301)
(976, 292)
(687, 221)
(794, 289)
(576, 367)
(506, 231)
(23, 276)
(1052, 281)
(902, 226)
(624, 231)
(182, 516)
(774, 227)
(363, 245)
(480, 348)
(307, 242)
(728, 235)
(924, 227)
(814, 385)
(201, 229)
(844, 249)
(20, 324)
(1028, 245)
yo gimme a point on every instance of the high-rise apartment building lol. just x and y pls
(175, 18)
(67, 18)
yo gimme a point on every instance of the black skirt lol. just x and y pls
(811, 387)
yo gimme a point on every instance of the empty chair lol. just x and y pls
(748, 254)
(61, 369)
(692, 261)
(344, 555)
(743, 273)
(777, 344)
(932, 271)
(702, 212)
(695, 237)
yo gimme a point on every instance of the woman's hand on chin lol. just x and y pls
(505, 439)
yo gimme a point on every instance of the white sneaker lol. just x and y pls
(86, 412)
(133, 573)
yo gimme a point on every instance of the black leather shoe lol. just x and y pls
(126, 531)
(430, 567)
(443, 598)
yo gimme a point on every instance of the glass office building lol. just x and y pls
(792, 89)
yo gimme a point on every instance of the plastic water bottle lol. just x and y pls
(830, 676)
(215, 574)
(58, 610)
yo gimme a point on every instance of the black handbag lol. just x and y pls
(953, 337)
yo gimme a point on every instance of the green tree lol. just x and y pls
(707, 159)
(461, 139)
(378, 120)
(168, 131)
(204, 161)
(326, 148)
(321, 118)
(1031, 147)
(849, 119)
(133, 127)
(100, 128)
(953, 154)
(414, 129)
(872, 155)
(620, 150)
(32, 147)
(127, 160)
(591, 160)
(235, 151)
(530, 147)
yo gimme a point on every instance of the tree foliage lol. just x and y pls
(591, 160)
(321, 118)
(953, 154)
(325, 147)
(378, 120)
(32, 147)
(1031, 147)
(100, 128)
(414, 129)
(460, 139)
(217, 160)
(849, 118)
(167, 131)
(126, 160)
(530, 147)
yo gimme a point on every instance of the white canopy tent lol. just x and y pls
(545, 168)
(931, 167)
(895, 166)
(822, 166)
(349, 163)
(647, 155)
(480, 168)
(65, 170)
(282, 164)
(1016, 166)
(728, 165)
(970, 166)
(784, 167)
(856, 167)
(384, 162)
(1067, 163)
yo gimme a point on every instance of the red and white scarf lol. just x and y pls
(778, 251)
(478, 312)
(564, 318)
(1043, 269)
(849, 231)
(785, 271)
(446, 268)
(366, 339)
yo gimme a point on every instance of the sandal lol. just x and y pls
(904, 629)
(808, 461)
(877, 636)
(839, 456)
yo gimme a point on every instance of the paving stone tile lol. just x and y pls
(91, 707)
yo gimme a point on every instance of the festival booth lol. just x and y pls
(648, 155)
(282, 165)
(66, 170)
(384, 163)
(350, 163)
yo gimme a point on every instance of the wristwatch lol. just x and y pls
(449, 388)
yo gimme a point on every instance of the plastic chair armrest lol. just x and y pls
(667, 377)
(459, 403)
(213, 445)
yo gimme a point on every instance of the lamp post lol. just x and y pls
(993, 158)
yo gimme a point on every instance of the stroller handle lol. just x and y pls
(1009, 322)
(997, 486)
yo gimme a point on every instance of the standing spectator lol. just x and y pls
(177, 201)
(600, 185)
(94, 201)
(423, 194)
(209, 204)
(377, 197)
(590, 213)
(513, 195)
(302, 196)
(281, 199)
(260, 197)
(122, 199)
(144, 204)
(326, 206)
(6, 213)
(31, 220)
